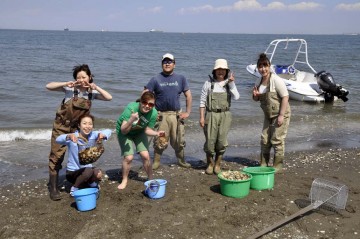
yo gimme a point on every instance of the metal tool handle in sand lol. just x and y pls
(279, 223)
(322, 191)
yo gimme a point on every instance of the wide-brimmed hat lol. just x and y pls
(168, 56)
(221, 64)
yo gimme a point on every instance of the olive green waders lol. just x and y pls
(272, 134)
(217, 125)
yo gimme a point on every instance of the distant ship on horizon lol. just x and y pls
(66, 29)
(155, 30)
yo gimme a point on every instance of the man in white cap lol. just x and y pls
(167, 87)
(215, 115)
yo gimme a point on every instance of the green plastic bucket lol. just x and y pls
(234, 188)
(262, 177)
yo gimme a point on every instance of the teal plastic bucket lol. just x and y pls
(235, 188)
(86, 199)
(262, 177)
(155, 188)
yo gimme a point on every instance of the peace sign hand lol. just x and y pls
(71, 84)
(232, 76)
(89, 85)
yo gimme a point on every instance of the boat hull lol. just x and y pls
(304, 83)
(299, 91)
(306, 98)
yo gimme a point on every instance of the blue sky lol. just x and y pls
(214, 16)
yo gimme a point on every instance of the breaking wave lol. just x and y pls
(25, 134)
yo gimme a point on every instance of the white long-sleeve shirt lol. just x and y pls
(217, 88)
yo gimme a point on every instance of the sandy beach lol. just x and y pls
(323, 139)
(193, 206)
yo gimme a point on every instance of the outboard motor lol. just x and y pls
(327, 84)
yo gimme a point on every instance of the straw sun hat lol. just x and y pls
(221, 64)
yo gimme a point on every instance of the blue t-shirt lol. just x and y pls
(167, 89)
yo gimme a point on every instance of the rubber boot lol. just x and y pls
(156, 162)
(278, 163)
(264, 159)
(181, 159)
(53, 186)
(210, 164)
(218, 159)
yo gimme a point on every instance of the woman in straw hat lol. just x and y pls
(215, 115)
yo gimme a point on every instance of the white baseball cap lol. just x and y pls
(169, 56)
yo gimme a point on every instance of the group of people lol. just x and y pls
(158, 114)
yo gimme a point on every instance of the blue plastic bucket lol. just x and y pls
(155, 188)
(86, 198)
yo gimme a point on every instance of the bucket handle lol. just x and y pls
(149, 188)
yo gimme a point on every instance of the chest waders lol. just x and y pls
(217, 125)
(174, 127)
(272, 134)
(66, 122)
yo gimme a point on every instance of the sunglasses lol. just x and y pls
(148, 104)
(167, 62)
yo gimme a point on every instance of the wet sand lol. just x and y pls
(193, 206)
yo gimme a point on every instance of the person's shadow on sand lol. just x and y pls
(201, 164)
(116, 175)
(243, 161)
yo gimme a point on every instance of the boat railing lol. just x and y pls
(301, 52)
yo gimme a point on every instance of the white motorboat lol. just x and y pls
(302, 81)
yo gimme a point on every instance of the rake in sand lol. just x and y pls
(322, 191)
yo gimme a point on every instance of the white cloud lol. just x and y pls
(304, 6)
(253, 5)
(246, 5)
(276, 6)
(349, 7)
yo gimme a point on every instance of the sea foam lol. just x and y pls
(25, 134)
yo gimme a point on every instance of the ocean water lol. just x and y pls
(123, 63)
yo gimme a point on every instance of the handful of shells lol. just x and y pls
(91, 155)
(162, 143)
(234, 175)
